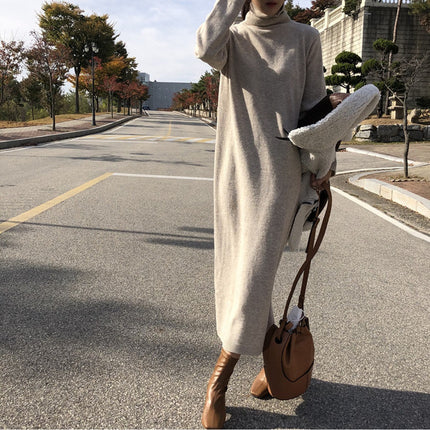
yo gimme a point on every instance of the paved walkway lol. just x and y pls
(414, 194)
(61, 127)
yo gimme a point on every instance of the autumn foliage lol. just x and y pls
(33, 78)
(202, 95)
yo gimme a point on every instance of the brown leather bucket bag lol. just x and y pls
(289, 353)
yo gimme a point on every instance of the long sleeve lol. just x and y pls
(315, 96)
(315, 88)
(213, 35)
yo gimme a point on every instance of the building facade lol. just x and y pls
(161, 94)
(374, 20)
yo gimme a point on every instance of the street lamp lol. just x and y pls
(93, 49)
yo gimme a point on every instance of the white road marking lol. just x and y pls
(364, 205)
(5, 151)
(384, 156)
(122, 125)
(385, 217)
(189, 178)
(112, 137)
(370, 170)
(41, 145)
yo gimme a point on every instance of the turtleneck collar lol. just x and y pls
(254, 17)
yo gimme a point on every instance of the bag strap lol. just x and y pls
(311, 250)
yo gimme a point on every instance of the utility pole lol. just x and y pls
(94, 50)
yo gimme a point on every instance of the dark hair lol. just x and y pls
(245, 8)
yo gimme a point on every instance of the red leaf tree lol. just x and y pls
(49, 65)
(11, 55)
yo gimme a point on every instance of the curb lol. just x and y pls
(391, 192)
(387, 191)
(385, 156)
(207, 121)
(5, 144)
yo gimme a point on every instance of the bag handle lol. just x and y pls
(311, 250)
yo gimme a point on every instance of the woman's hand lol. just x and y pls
(317, 184)
(337, 98)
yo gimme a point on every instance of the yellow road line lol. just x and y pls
(13, 222)
(169, 132)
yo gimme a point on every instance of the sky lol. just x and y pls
(159, 34)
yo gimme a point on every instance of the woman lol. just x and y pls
(271, 72)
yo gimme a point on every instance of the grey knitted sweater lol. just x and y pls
(271, 71)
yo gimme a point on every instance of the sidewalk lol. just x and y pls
(33, 135)
(414, 194)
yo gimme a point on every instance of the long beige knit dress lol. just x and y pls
(271, 71)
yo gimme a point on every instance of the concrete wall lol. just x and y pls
(412, 39)
(391, 133)
(161, 93)
(374, 20)
(339, 33)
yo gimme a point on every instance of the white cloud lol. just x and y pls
(160, 35)
(17, 19)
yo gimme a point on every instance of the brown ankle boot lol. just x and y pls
(213, 416)
(259, 387)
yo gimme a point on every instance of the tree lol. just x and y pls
(406, 74)
(128, 71)
(110, 85)
(293, 10)
(346, 72)
(108, 76)
(202, 95)
(212, 81)
(315, 11)
(140, 93)
(396, 22)
(31, 90)
(186, 99)
(199, 92)
(133, 91)
(391, 53)
(65, 24)
(126, 92)
(378, 70)
(11, 55)
(47, 64)
(421, 8)
(102, 33)
(86, 81)
(351, 7)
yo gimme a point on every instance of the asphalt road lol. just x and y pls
(106, 294)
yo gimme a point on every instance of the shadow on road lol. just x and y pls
(201, 242)
(198, 244)
(47, 308)
(330, 405)
(166, 238)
